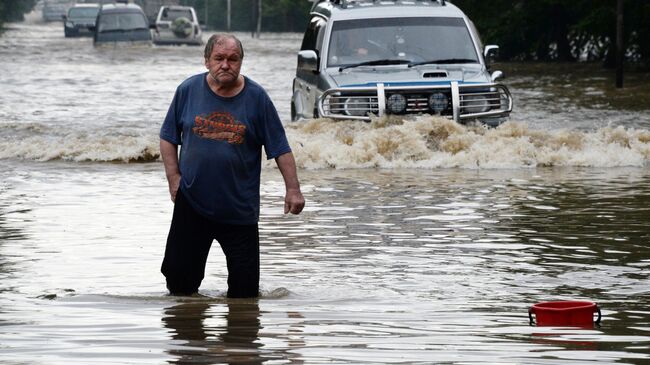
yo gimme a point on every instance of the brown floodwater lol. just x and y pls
(422, 241)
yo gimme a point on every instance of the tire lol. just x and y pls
(182, 27)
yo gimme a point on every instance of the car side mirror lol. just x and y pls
(65, 17)
(496, 75)
(490, 52)
(92, 28)
(308, 61)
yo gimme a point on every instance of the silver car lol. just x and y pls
(363, 58)
(177, 25)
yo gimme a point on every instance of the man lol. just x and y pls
(221, 119)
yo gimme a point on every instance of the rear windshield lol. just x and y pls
(122, 21)
(171, 14)
(411, 39)
(83, 12)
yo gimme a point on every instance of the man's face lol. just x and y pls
(224, 62)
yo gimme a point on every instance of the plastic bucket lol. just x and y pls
(564, 313)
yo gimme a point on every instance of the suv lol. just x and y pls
(122, 22)
(80, 20)
(362, 58)
(177, 25)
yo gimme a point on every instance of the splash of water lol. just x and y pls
(423, 142)
(431, 142)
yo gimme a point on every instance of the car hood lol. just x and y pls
(402, 75)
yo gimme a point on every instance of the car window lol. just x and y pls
(413, 39)
(83, 12)
(173, 14)
(121, 21)
(313, 38)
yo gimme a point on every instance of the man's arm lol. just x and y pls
(169, 154)
(293, 199)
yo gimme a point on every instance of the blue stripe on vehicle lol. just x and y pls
(428, 83)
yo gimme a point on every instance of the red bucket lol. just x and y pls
(564, 313)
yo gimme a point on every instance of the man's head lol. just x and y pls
(219, 38)
(223, 58)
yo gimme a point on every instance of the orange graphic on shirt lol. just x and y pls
(220, 126)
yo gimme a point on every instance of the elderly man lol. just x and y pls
(221, 119)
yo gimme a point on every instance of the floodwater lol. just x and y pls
(422, 241)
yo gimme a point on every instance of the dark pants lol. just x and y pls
(188, 244)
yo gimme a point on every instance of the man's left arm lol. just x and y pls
(293, 199)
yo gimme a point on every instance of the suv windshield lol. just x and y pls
(83, 12)
(121, 21)
(416, 40)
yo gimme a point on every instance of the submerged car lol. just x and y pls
(369, 58)
(80, 20)
(177, 25)
(54, 10)
(122, 22)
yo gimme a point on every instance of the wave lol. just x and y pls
(422, 142)
(427, 142)
(33, 141)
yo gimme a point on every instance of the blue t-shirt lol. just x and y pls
(221, 147)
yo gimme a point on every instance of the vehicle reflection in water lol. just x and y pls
(210, 336)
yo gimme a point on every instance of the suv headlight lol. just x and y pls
(396, 103)
(356, 106)
(475, 104)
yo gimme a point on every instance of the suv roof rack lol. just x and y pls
(345, 3)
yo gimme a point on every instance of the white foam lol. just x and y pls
(432, 142)
(422, 142)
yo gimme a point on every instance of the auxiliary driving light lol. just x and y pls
(396, 103)
(438, 102)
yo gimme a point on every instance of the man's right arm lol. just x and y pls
(169, 154)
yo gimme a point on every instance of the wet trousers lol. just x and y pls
(188, 244)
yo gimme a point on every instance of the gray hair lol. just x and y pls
(219, 39)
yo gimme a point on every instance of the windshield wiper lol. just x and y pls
(377, 63)
(446, 61)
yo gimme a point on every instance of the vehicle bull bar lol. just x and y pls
(464, 101)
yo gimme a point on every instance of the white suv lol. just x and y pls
(177, 25)
(361, 58)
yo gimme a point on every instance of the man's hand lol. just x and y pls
(293, 202)
(169, 154)
(174, 182)
(293, 199)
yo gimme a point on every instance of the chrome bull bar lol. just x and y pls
(466, 101)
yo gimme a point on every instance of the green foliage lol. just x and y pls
(277, 15)
(15, 10)
(561, 30)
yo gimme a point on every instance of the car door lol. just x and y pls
(306, 83)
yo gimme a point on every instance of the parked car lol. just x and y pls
(362, 58)
(177, 25)
(54, 10)
(80, 20)
(122, 22)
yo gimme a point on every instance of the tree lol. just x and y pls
(559, 30)
(15, 10)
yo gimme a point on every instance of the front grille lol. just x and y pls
(417, 104)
